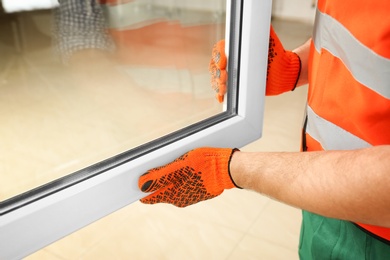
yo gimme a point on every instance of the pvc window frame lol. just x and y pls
(37, 218)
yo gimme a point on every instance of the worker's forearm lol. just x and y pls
(303, 52)
(349, 185)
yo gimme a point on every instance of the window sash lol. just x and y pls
(39, 217)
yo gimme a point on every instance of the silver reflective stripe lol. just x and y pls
(331, 136)
(367, 67)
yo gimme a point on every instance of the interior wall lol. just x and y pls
(302, 10)
(201, 5)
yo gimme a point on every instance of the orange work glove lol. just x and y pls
(217, 70)
(284, 67)
(282, 73)
(198, 175)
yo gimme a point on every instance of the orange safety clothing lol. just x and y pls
(349, 80)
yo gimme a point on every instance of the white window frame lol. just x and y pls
(26, 228)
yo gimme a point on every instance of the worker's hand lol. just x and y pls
(198, 175)
(217, 70)
(284, 67)
(282, 73)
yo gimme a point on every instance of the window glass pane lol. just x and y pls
(84, 81)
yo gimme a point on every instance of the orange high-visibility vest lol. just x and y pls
(349, 79)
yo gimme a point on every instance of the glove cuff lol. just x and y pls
(222, 178)
(230, 175)
(285, 74)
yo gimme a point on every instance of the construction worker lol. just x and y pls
(342, 180)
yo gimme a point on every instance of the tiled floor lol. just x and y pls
(238, 224)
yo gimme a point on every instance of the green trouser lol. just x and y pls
(325, 238)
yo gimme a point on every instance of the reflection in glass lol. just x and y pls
(86, 80)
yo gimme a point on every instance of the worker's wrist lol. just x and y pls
(303, 52)
(234, 151)
(236, 168)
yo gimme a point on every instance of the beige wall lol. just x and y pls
(202, 5)
(302, 10)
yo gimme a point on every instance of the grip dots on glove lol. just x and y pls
(198, 175)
